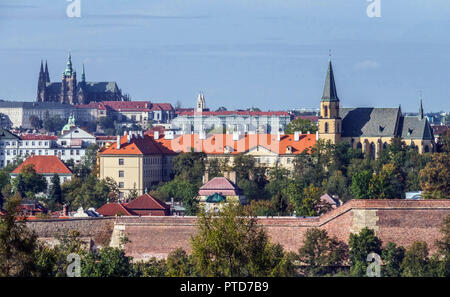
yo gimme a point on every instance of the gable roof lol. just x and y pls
(412, 127)
(370, 122)
(113, 209)
(219, 185)
(147, 202)
(44, 165)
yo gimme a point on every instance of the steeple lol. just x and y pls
(200, 102)
(47, 75)
(329, 90)
(83, 75)
(69, 71)
(421, 108)
(42, 69)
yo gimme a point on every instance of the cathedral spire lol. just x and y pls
(69, 69)
(83, 75)
(329, 90)
(421, 107)
(47, 75)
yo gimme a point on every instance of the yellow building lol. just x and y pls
(135, 161)
(368, 128)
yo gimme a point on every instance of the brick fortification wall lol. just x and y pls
(399, 221)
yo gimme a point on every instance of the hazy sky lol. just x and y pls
(271, 54)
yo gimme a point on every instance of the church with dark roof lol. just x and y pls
(71, 91)
(370, 129)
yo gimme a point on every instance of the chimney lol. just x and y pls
(168, 135)
(128, 138)
(308, 132)
(235, 136)
(317, 135)
(125, 133)
(156, 135)
(118, 142)
(202, 135)
(278, 136)
(296, 136)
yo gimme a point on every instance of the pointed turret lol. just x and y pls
(46, 74)
(421, 107)
(329, 90)
(69, 70)
(83, 75)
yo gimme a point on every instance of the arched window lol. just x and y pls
(372, 150)
(427, 149)
(326, 127)
(325, 111)
(384, 145)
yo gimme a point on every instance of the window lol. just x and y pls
(326, 127)
(120, 173)
(121, 185)
(120, 161)
(78, 152)
(325, 111)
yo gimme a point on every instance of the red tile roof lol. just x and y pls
(147, 202)
(144, 106)
(213, 144)
(219, 185)
(44, 165)
(38, 137)
(236, 112)
(114, 209)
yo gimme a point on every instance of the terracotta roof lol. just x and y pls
(236, 112)
(127, 106)
(147, 202)
(213, 144)
(137, 146)
(38, 137)
(220, 185)
(224, 143)
(113, 209)
(44, 165)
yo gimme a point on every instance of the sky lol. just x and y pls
(270, 54)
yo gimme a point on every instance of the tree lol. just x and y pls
(214, 168)
(179, 264)
(108, 262)
(443, 246)
(35, 122)
(416, 262)
(53, 123)
(360, 184)
(151, 268)
(133, 193)
(392, 258)
(435, 177)
(55, 193)
(181, 190)
(361, 245)
(233, 245)
(303, 125)
(190, 167)
(106, 123)
(385, 184)
(17, 243)
(321, 254)
(28, 181)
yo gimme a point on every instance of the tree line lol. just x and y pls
(231, 244)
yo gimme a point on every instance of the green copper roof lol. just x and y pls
(69, 71)
(216, 198)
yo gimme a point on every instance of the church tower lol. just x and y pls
(69, 84)
(41, 85)
(200, 102)
(330, 124)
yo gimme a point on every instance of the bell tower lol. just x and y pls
(330, 124)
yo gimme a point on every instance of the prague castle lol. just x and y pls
(368, 128)
(72, 92)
